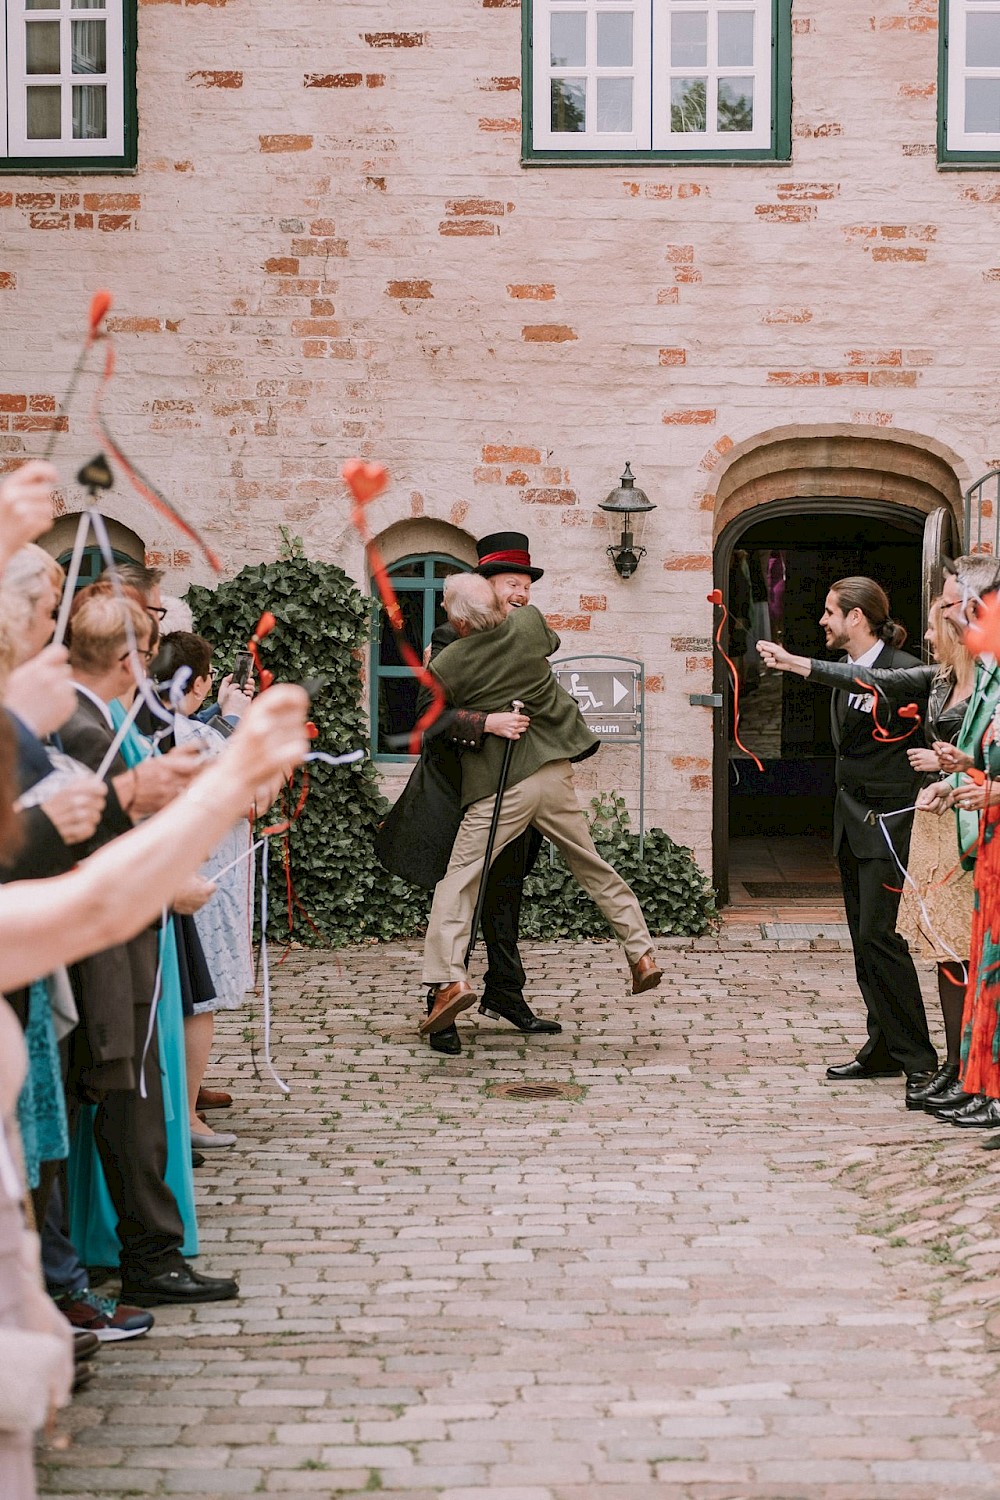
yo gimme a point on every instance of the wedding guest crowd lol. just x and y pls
(102, 828)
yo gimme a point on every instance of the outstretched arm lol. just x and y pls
(119, 890)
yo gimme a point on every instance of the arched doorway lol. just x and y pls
(796, 511)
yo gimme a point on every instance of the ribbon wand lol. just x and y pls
(100, 306)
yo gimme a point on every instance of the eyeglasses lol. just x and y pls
(158, 611)
(146, 654)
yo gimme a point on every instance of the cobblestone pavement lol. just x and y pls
(711, 1276)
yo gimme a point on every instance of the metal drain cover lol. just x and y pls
(530, 1091)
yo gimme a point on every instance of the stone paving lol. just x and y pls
(711, 1276)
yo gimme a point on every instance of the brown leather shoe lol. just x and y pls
(450, 1000)
(213, 1099)
(645, 974)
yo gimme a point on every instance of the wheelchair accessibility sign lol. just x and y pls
(609, 701)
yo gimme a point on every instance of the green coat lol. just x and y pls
(487, 672)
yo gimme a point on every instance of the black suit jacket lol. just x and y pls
(109, 984)
(873, 776)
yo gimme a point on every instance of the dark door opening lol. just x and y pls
(775, 572)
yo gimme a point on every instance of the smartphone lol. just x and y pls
(241, 668)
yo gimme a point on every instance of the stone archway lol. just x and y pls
(839, 459)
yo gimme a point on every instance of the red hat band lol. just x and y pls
(517, 560)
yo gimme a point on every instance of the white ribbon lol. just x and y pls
(265, 970)
(908, 880)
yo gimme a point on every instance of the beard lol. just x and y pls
(835, 641)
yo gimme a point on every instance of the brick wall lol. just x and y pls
(330, 248)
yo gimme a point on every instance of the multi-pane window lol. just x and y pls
(67, 82)
(971, 95)
(419, 584)
(669, 77)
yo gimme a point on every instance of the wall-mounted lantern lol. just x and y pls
(626, 509)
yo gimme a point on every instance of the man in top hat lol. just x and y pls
(416, 838)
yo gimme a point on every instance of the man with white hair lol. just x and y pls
(501, 658)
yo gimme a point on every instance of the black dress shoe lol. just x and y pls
(197, 1159)
(179, 1284)
(942, 1079)
(992, 1143)
(447, 1041)
(968, 1106)
(949, 1098)
(916, 1085)
(849, 1071)
(986, 1117)
(515, 1009)
(85, 1344)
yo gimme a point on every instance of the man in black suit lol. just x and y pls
(874, 776)
(416, 839)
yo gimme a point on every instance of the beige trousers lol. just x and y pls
(547, 799)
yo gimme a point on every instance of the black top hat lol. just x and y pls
(505, 552)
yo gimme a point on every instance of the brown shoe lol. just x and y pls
(450, 1000)
(213, 1099)
(645, 974)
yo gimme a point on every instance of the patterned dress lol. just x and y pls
(981, 1018)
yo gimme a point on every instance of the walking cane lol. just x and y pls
(508, 749)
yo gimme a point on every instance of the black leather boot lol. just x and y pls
(516, 1010)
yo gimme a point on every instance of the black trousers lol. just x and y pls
(897, 1023)
(131, 1137)
(502, 915)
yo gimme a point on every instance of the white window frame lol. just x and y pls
(958, 74)
(652, 74)
(15, 81)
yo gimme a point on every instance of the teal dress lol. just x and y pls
(92, 1216)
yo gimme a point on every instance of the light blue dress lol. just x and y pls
(92, 1216)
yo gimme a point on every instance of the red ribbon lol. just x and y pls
(365, 481)
(715, 597)
(880, 732)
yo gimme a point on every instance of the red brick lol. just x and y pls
(673, 356)
(594, 602)
(916, 91)
(486, 476)
(507, 85)
(700, 783)
(549, 497)
(793, 377)
(396, 38)
(698, 664)
(215, 78)
(134, 325)
(689, 562)
(787, 315)
(801, 26)
(687, 275)
(42, 403)
(895, 377)
(983, 194)
(874, 418)
(275, 144)
(716, 454)
(83, 221)
(409, 289)
(467, 227)
(322, 226)
(803, 191)
(10, 402)
(903, 253)
(516, 477)
(8, 281)
(920, 148)
(857, 357)
(654, 683)
(112, 223)
(333, 80)
(818, 132)
(474, 206)
(497, 453)
(322, 245)
(542, 292)
(69, 200)
(36, 200)
(667, 296)
(114, 202)
(547, 333)
(168, 405)
(40, 424)
(785, 213)
(680, 255)
(374, 80)
(845, 377)
(509, 126)
(48, 221)
(699, 417)
(569, 622)
(282, 265)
